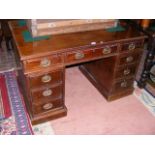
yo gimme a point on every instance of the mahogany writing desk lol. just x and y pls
(108, 59)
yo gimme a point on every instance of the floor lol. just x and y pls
(89, 113)
(7, 59)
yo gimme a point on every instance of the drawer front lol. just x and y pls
(122, 85)
(129, 58)
(125, 71)
(47, 93)
(43, 63)
(46, 79)
(106, 50)
(131, 46)
(47, 106)
(78, 56)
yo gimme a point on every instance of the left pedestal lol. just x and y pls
(43, 83)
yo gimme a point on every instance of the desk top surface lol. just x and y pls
(65, 42)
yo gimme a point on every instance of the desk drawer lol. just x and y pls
(48, 78)
(46, 93)
(129, 58)
(131, 46)
(106, 50)
(126, 71)
(122, 85)
(47, 106)
(43, 63)
(78, 56)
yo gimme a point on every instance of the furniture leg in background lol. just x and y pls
(1, 36)
(6, 33)
(148, 63)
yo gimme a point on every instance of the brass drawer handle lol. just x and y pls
(129, 59)
(45, 62)
(46, 78)
(47, 106)
(106, 50)
(47, 92)
(126, 71)
(131, 46)
(79, 55)
(124, 84)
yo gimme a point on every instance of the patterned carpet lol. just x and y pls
(18, 123)
(5, 110)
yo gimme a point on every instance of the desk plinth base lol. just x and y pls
(48, 116)
(119, 95)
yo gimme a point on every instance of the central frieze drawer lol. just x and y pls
(43, 63)
(46, 93)
(77, 56)
(106, 50)
(46, 78)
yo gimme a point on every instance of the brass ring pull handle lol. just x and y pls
(131, 46)
(47, 106)
(126, 71)
(47, 92)
(106, 50)
(124, 84)
(45, 62)
(46, 78)
(79, 55)
(129, 59)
